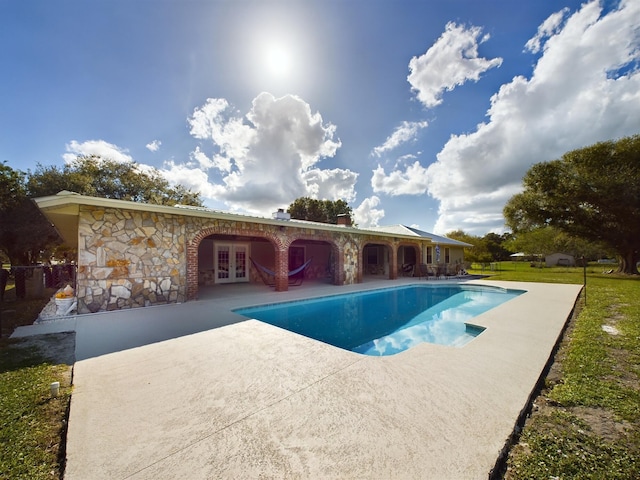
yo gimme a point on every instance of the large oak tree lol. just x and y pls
(25, 233)
(98, 177)
(591, 193)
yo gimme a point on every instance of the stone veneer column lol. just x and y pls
(349, 255)
(129, 258)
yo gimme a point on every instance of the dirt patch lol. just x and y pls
(55, 348)
(602, 423)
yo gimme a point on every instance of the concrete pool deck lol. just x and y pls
(242, 399)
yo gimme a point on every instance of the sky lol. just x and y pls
(423, 113)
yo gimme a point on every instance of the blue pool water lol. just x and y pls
(387, 321)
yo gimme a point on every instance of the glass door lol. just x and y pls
(231, 262)
(222, 263)
(240, 271)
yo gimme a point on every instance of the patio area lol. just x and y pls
(196, 391)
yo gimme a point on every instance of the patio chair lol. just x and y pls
(407, 269)
(451, 271)
(296, 276)
(424, 271)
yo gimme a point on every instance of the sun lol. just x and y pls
(278, 61)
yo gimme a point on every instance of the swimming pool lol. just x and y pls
(390, 320)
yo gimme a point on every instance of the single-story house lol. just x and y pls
(134, 254)
(560, 259)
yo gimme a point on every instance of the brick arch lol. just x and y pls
(416, 246)
(393, 252)
(330, 239)
(336, 250)
(278, 242)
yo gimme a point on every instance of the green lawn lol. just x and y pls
(586, 422)
(32, 423)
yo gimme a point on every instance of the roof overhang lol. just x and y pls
(62, 214)
(63, 211)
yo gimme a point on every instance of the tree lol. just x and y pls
(12, 187)
(547, 240)
(591, 193)
(25, 234)
(495, 246)
(477, 253)
(98, 177)
(325, 211)
(489, 248)
(24, 231)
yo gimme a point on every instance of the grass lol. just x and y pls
(32, 423)
(585, 423)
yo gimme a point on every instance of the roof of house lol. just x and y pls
(63, 208)
(404, 230)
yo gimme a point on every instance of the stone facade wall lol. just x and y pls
(129, 259)
(351, 260)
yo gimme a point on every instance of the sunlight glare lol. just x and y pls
(278, 60)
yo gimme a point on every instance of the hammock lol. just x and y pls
(296, 276)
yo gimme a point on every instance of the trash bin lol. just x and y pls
(64, 306)
(34, 283)
(20, 277)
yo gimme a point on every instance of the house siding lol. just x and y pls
(129, 258)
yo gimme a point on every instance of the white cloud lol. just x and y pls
(406, 132)
(219, 162)
(154, 146)
(267, 158)
(569, 102)
(585, 88)
(548, 28)
(229, 133)
(366, 214)
(331, 184)
(450, 62)
(410, 181)
(106, 150)
(193, 178)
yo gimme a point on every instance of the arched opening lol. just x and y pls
(252, 256)
(322, 264)
(376, 260)
(219, 259)
(408, 257)
(226, 259)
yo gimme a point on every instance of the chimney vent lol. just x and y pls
(344, 220)
(281, 215)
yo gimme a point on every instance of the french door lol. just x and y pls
(230, 262)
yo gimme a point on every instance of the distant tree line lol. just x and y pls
(325, 211)
(542, 241)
